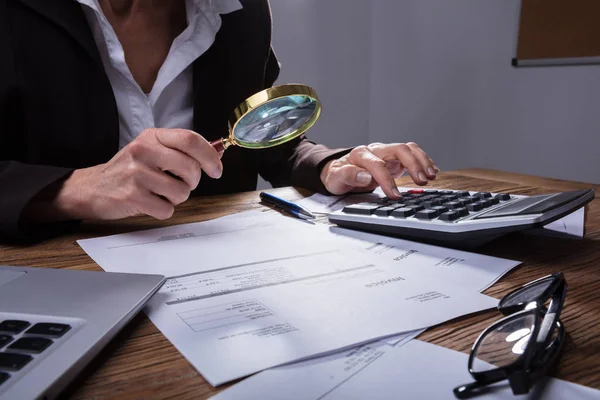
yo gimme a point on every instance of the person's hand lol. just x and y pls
(135, 181)
(366, 167)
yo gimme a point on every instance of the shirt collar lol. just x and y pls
(214, 6)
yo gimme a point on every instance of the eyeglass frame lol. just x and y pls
(535, 360)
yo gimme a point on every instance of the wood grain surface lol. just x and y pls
(140, 363)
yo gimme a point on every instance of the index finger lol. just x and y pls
(195, 146)
(364, 158)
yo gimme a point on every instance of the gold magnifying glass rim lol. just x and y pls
(265, 96)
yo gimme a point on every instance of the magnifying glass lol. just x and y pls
(271, 117)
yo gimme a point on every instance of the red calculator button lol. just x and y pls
(416, 191)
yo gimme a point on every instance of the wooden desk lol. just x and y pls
(141, 364)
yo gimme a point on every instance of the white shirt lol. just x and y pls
(170, 104)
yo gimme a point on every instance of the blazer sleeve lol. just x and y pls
(19, 182)
(298, 162)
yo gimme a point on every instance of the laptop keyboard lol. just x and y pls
(22, 341)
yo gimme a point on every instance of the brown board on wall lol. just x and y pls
(558, 32)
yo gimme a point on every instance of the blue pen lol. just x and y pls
(292, 208)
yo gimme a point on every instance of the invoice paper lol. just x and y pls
(249, 293)
(418, 370)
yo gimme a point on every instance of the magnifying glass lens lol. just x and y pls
(276, 120)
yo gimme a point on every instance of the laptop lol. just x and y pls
(53, 322)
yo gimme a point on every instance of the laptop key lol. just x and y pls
(31, 344)
(3, 377)
(49, 329)
(4, 340)
(13, 361)
(13, 326)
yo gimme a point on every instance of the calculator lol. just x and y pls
(458, 218)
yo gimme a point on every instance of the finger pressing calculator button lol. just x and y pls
(403, 212)
(427, 214)
(361, 209)
(450, 215)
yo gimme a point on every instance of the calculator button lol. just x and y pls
(430, 191)
(13, 326)
(403, 212)
(494, 200)
(13, 361)
(4, 340)
(418, 207)
(432, 203)
(446, 192)
(3, 377)
(486, 203)
(440, 209)
(413, 202)
(475, 206)
(463, 212)
(463, 193)
(483, 195)
(385, 211)
(502, 196)
(31, 344)
(449, 197)
(416, 191)
(427, 214)
(361, 209)
(465, 200)
(453, 204)
(48, 329)
(450, 215)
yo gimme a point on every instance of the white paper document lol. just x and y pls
(418, 370)
(256, 291)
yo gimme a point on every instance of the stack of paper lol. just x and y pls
(418, 370)
(252, 292)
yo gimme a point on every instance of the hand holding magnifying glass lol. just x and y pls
(271, 117)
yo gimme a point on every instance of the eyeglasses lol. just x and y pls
(522, 346)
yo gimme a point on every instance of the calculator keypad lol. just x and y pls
(430, 205)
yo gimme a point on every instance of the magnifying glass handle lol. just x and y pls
(218, 145)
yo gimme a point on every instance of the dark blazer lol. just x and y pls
(58, 112)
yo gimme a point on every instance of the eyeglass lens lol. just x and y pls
(505, 344)
(527, 294)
